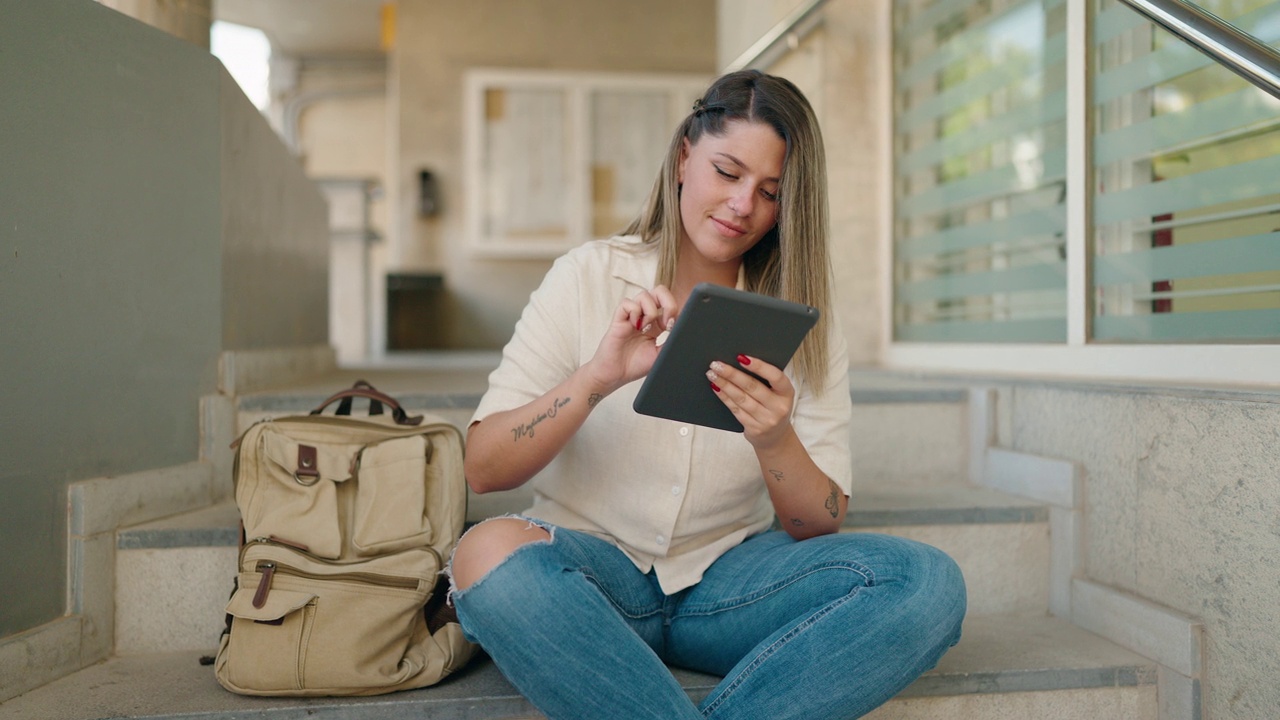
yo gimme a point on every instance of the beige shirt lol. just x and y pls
(672, 496)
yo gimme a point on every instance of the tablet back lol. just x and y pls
(718, 323)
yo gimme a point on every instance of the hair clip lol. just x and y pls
(701, 106)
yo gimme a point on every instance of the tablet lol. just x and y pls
(718, 323)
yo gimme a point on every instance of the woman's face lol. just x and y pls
(729, 194)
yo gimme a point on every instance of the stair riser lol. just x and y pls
(909, 444)
(1132, 703)
(1122, 703)
(1008, 667)
(172, 599)
(1125, 703)
(1005, 565)
(901, 442)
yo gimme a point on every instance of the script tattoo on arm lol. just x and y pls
(594, 399)
(777, 475)
(527, 429)
(833, 500)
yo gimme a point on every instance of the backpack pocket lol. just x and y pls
(296, 500)
(267, 645)
(390, 506)
(301, 626)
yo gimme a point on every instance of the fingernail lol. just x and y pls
(671, 323)
(744, 359)
(638, 321)
(646, 328)
(715, 387)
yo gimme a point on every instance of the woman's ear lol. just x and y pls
(684, 159)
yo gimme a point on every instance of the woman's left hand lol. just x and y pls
(763, 409)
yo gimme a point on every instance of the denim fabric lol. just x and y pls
(829, 627)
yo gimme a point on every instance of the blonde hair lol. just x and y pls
(791, 261)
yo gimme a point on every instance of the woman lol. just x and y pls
(648, 543)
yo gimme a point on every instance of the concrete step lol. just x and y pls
(901, 431)
(173, 575)
(907, 433)
(173, 578)
(1000, 542)
(1012, 666)
(447, 384)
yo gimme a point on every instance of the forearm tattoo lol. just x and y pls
(527, 429)
(594, 399)
(777, 475)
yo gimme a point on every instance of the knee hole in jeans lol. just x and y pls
(485, 547)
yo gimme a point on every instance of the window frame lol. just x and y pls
(682, 89)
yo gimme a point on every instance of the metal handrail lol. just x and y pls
(1240, 52)
(798, 23)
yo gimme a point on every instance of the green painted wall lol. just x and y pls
(110, 265)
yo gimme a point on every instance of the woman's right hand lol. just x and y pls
(628, 349)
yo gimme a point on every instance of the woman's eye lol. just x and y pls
(770, 196)
(724, 173)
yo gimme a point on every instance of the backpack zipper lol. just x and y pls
(269, 568)
(304, 550)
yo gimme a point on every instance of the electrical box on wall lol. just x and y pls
(428, 194)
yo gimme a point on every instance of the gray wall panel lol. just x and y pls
(110, 255)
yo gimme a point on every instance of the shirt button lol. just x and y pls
(684, 431)
(675, 489)
(661, 540)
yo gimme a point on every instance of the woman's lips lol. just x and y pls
(728, 228)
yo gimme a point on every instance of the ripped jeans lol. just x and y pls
(830, 627)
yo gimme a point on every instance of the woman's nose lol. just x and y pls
(741, 203)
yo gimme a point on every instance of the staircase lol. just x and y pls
(913, 446)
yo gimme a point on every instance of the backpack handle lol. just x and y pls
(376, 399)
(344, 407)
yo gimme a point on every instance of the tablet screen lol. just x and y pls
(719, 323)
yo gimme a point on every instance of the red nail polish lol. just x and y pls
(744, 359)
(638, 321)
(715, 387)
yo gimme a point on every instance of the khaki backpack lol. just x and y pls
(348, 525)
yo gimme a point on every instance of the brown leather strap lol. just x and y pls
(365, 390)
(344, 407)
(308, 463)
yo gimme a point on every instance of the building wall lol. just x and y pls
(274, 235)
(740, 23)
(342, 118)
(109, 298)
(342, 134)
(436, 42)
(187, 19)
(130, 160)
(842, 68)
(1182, 508)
